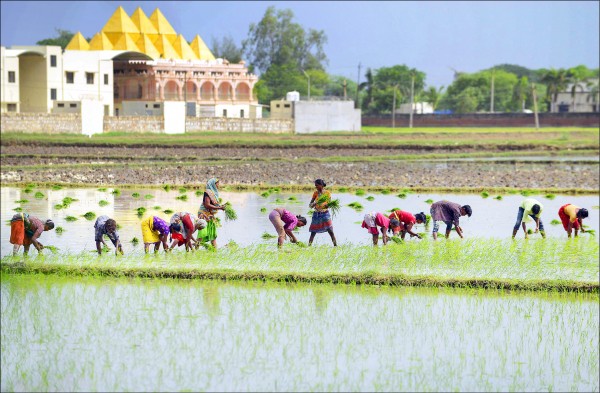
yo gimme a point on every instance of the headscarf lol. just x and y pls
(370, 219)
(212, 191)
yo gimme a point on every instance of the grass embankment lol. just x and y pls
(499, 138)
(538, 265)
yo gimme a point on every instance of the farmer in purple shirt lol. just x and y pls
(155, 231)
(284, 223)
(449, 213)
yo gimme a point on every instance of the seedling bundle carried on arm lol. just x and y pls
(332, 204)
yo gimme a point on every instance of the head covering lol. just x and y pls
(200, 223)
(468, 210)
(211, 190)
(370, 219)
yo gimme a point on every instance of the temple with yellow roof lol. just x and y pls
(132, 65)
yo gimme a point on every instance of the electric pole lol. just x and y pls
(492, 96)
(535, 108)
(357, 89)
(412, 100)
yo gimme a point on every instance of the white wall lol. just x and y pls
(233, 111)
(92, 117)
(315, 116)
(174, 112)
(141, 108)
(9, 92)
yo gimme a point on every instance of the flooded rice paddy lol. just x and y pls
(107, 334)
(492, 218)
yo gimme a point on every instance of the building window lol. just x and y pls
(72, 105)
(52, 60)
(89, 78)
(277, 105)
(53, 94)
(242, 113)
(70, 77)
(106, 79)
(61, 105)
(224, 112)
(11, 107)
(156, 106)
(286, 105)
(12, 77)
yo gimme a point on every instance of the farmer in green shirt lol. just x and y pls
(529, 208)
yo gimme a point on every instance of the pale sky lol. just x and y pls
(430, 36)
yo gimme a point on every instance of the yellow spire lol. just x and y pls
(165, 48)
(201, 50)
(118, 24)
(184, 49)
(146, 46)
(161, 23)
(100, 42)
(141, 21)
(78, 42)
(126, 42)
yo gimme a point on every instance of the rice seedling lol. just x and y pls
(167, 211)
(498, 197)
(53, 249)
(393, 209)
(59, 230)
(21, 201)
(596, 207)
(183, 197)
(103, 203)
(396, 239)
(370, 198)
(590, 232)
(529, 231)
(429, 201)
(359, 192)
(116, 192)
(89, 216)
(199, 193)
(135, 194)
(150, 196)
(267, 235)
(140, 211)
(70, 218)
(485, 194)
(263, 209)
(292, 198)
(279, 200)
(355, 205)
(18, 209)
(56, 187)
(39, 195)
(167, 187)
(550, 196)
(301, 244)
(402, 195)
(386, 191)
(333, 205)
(182, 190)
(134, 241)
(343, 189)
(68, 200)
(59, 206)
(157, 208)
(119, 226)
(102, 189)
(265, 194)
(230, 214)
(555, 222)
(526, 193)
(27, 190)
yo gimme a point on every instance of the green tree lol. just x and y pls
(388, 79)
(335, 87)
(368, 86)
(555, 81)
(62, 40)
(277, 40)
(468, 100)
(522, 91)
(433, 96)
(226, 48)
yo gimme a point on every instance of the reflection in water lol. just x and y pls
(322, 297)
(211, 299)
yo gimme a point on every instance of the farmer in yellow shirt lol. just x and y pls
(529, 208)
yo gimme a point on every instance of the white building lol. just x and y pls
(585, 99)
(419, 108)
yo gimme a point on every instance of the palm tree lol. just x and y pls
(433, 96)
(594, 86)
(575, 78)
(368, 85)
(556, 81)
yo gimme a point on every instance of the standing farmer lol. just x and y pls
(572, 217)
(25, 230)
(449, 213)
(107, 226)
(208, 209)
(530, 208)
(284, 223)
(321, 218)
(373, 220)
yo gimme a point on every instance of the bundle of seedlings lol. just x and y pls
(332, 204)
(230, 214)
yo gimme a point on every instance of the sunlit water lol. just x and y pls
(93, 334)
(491, 218)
